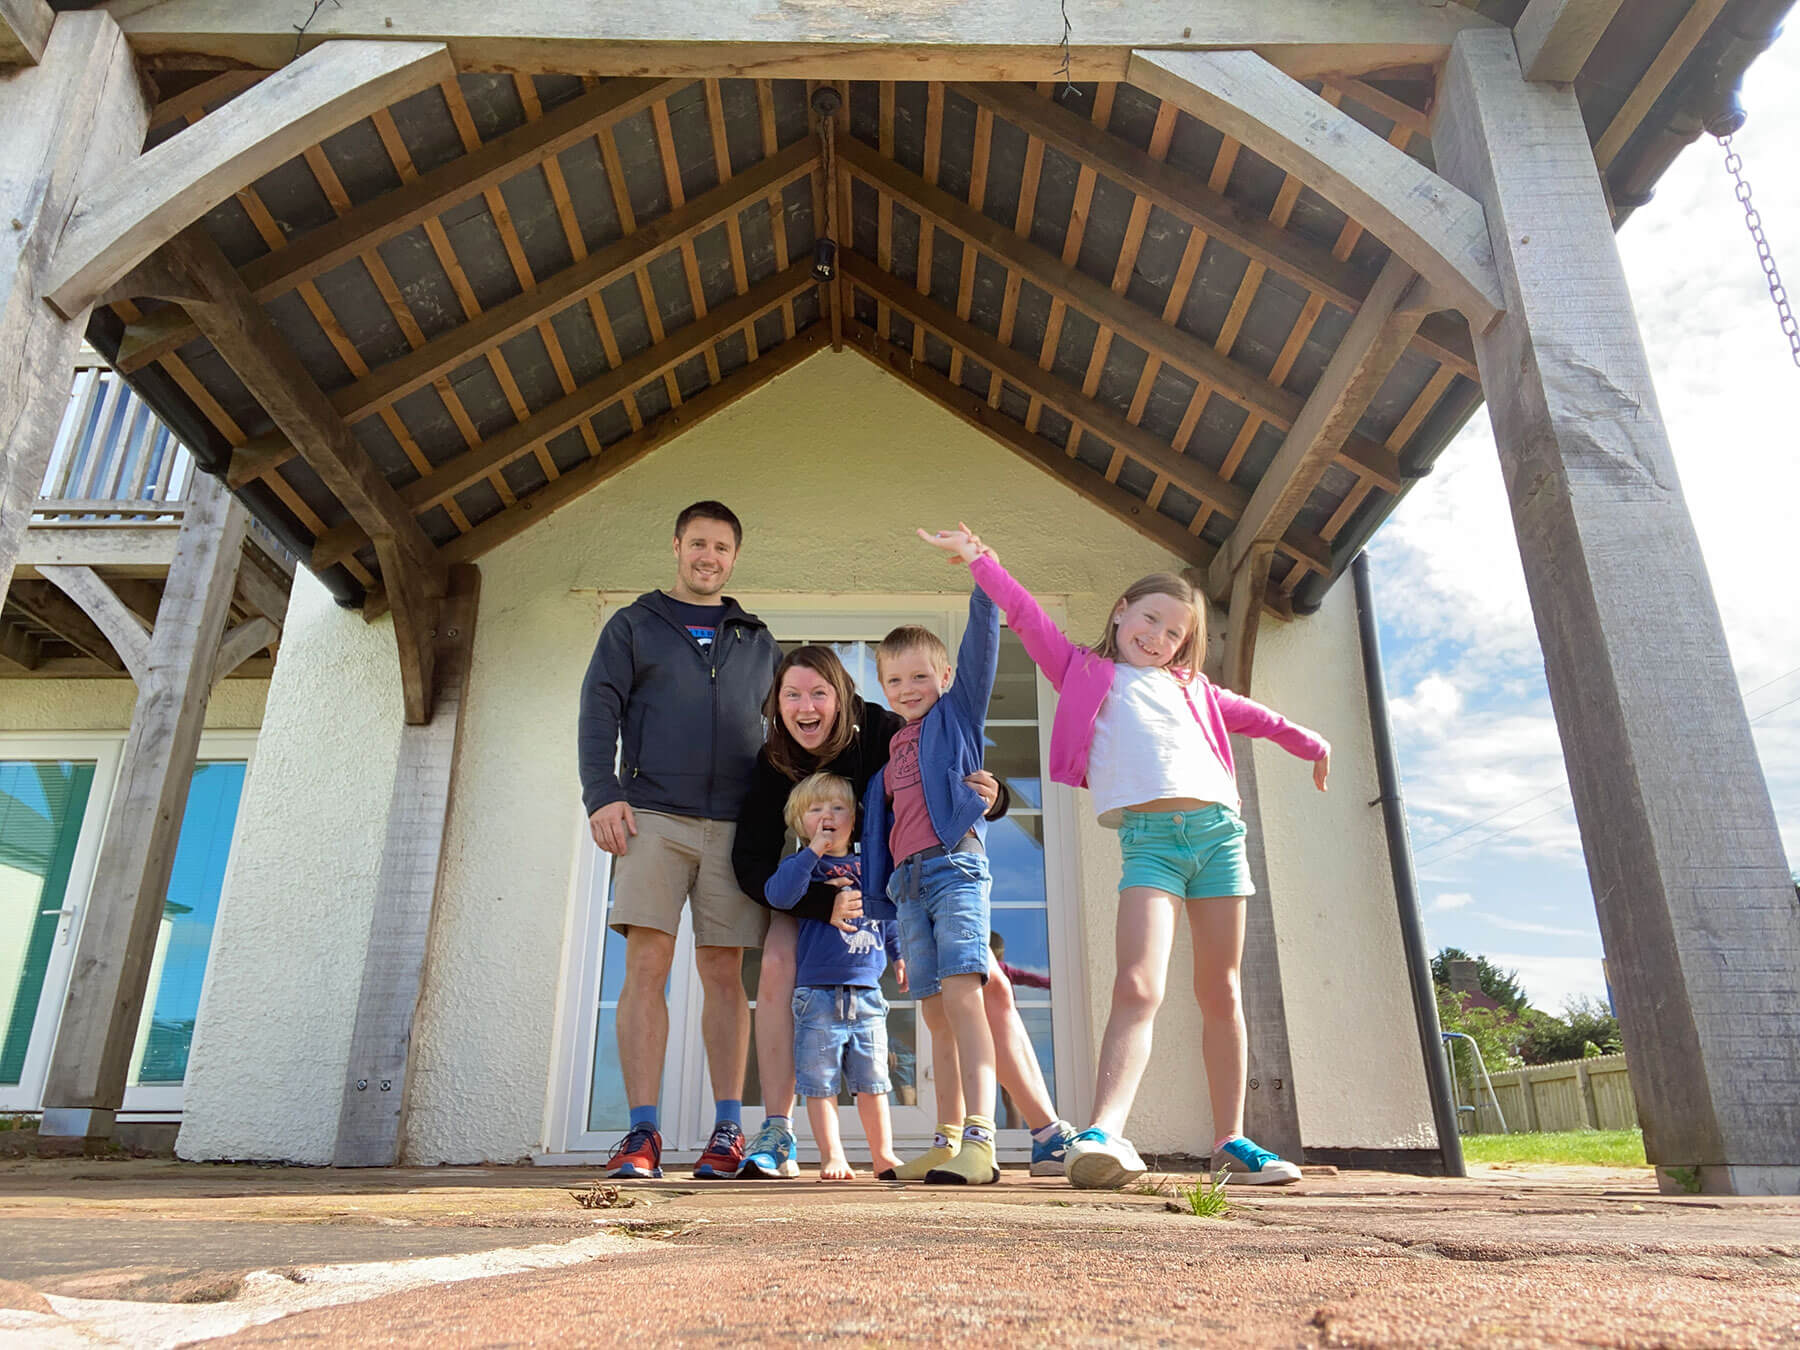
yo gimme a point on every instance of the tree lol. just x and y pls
(1586, 1028)
(1500, 985)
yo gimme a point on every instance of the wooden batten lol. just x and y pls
(374, 1101)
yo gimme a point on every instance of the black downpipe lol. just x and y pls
(1406, 891)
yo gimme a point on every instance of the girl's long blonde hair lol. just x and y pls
(1191, 655)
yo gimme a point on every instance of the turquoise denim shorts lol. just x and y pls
(1198, 855)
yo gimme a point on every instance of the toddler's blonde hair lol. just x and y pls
(810, 791)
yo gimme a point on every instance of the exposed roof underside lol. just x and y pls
(511, 286)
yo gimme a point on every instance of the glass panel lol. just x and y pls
(903, 1053)
(607, 1108)
(1015, 681)
(41, 808)
(1037, 1026)
(1021, 942)
(1012, 754)
(183, 939)
(1015, 848)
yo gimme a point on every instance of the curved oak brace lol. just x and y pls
(242, 643)
(1439, 229)
(124, 628)
(127, 216)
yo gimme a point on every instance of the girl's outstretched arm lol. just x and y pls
(1247, 717)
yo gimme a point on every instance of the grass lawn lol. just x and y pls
(1595, 1148)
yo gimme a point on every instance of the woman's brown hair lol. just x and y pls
(790, 758)
(1191, 655)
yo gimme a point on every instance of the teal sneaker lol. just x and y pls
(1098, 1161)
(1249, 1164)
(1049, 1156)
(771, 1154)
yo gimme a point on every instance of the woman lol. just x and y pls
(816, 722)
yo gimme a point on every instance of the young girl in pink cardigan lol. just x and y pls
(1148, 735)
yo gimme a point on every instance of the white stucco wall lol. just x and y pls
(49, 706)
(266, 1072)
(835, 436)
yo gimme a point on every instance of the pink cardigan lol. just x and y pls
(1083, 680)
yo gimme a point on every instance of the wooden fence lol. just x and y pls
(1578, 1094)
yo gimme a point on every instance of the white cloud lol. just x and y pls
(1548, 930)
(1551, 981)
(1451, 900)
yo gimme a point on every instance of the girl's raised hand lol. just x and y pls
(962, 543)
(1321, 770)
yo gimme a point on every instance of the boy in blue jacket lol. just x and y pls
(840, 1017)
(925, 860)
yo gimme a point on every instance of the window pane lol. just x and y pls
(903, 1054)
(41, 808)
(1015, 680)
(1037, 1026)
(1012, 754)
(1021, 943)
(607, 1107)
(183, 939)
(1015, 848)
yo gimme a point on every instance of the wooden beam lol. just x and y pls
(24, 31)
(363, 228)
(1196, 359)
(1189, 199)
(1005, 40)
(1646, 91)
(240, 644)
(1556, 37)
(1695, 902)
(99, 1021)
(393, 972)
(142, 550)
(1249, 588)
(261, 358)
(1435, 226)
(49, 606)
(259, 593)
(127, 216)
(196, 101)
(124, 628)
(70, 120)
(1377, 337)
(501, 449)
(622, 454)
(1190, 475)
(973, 409)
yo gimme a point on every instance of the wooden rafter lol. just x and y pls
(358, 231)
(1192, 357)
(238, 328)
(1439, 229)
(48, 605)
(125, 217)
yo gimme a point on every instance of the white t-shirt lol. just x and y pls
(1149, 744)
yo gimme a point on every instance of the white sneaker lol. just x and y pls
(1249, 1164)
(1098, 1161)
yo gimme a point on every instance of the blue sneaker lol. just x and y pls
(1249, 1164)
(1098, 1161)
(771, 1154)
(1048, 1156)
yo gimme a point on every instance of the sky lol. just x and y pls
(1494, 836)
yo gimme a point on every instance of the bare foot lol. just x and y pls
(889, 1163)
(836, 1169)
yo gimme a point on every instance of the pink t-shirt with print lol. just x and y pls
(912, 829)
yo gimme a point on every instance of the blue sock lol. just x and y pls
(731, 1110)
(643, 1115)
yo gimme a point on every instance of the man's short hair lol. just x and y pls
(810, 791)
(912, 638)
(710, 510)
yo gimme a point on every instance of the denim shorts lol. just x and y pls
(1198, 855)
(840, 1038)
(943, 904)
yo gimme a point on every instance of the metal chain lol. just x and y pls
(1068, 90)
(1734, 165)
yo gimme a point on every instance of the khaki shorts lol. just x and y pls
(672, 859)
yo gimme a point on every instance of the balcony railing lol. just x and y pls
(113, 460)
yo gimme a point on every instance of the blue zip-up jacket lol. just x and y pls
(826, 957)
(952, 744)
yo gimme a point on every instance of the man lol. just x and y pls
(675, 692)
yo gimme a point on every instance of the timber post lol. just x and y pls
(1695, 903)
(92, 1056)
(71, 120)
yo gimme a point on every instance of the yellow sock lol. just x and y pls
(973, 1164)
(942, 1150)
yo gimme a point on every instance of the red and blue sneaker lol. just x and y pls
(724, 1156)
(638, 1154)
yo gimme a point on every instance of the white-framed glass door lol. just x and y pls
(1034, 920)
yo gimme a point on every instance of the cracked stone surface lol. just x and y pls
(155, 1253)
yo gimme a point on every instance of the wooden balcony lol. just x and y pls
(112, 501)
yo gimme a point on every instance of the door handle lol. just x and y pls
(66, 912)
